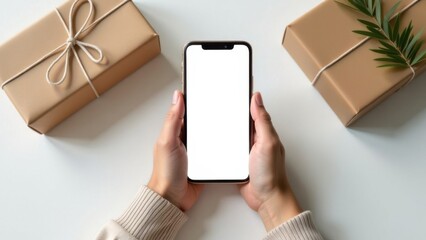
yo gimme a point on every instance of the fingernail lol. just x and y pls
(175, 97)
(259, 100)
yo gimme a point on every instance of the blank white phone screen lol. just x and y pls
(217, 100)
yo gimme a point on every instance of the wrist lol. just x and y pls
(163, 192)
(277, 209)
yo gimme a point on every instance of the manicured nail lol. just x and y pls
(175, 97)
(259, 100)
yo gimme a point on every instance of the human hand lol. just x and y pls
(169, 176)
(268, 191)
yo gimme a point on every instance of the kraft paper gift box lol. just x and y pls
(52, 69)
(323, 45)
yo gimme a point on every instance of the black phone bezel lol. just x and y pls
(219, 45)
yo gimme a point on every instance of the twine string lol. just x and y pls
(69, 47)
(317, 76)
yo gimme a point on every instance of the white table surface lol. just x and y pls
(364, 182)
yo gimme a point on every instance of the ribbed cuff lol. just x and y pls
(301, 227)
(152, 217)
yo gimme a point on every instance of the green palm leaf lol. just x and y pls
(399, 48)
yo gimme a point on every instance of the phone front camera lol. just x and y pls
(226, 46)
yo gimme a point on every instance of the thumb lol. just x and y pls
(173, 123)
(262, 120)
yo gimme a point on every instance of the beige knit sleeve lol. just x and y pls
(301, 227)
(149, 217)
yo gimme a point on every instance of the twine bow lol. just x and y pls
(69, 46)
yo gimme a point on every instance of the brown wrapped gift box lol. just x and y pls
(124, 36)
(353, 85)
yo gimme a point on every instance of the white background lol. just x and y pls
(364, 182)
(217, 100)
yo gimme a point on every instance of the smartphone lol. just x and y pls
(218, 127)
